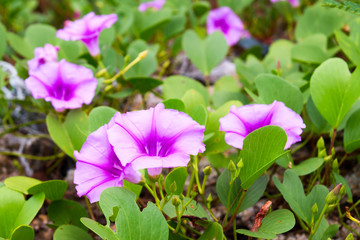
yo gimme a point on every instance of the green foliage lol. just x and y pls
(178, 175)
(308, 166)
(334, 90)
(193, 209)
(348, 6)
(205, 54)
(100, 116)
(213, 231)
(63, 212)
(53, 189)
(261, 149)
(21, 183)
(2, 39)
(352, 133)
(71, 232)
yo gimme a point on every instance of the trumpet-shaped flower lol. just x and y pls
(156, 4)
(87, 30)
(225, 20)
(294, 3)
(155, 138)
(243, 120)
(98, 167)
(65, 85)
(43, 55)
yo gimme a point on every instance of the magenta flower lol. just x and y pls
(45, 54)
(294, 3)
(98, 167)
(245, 119)
(155, 138)
(65, 85)
(225, 20)
(87, 30)
(156, 4)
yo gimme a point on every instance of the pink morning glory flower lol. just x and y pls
(241, 121)
(87, 30)
(294, 3)
(157, 4)
(45, 54)
(225, 20)
(65, 85)
(98, 167)
(156, 138)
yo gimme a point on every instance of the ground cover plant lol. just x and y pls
(179, 119)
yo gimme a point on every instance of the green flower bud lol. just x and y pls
(181, 196)
(232, 167)
(335, 164)
(240, 164)
(343, 190)
(173, 187)
(175, 201)
(330, 208)
(333, 152)
(209, 198)
(327, 158)
(349, 237)
(207, 170)
(320, 144)
(314, 209)
(322, 153)
(193, 194)
(333, 195)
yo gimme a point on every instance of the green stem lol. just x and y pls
(178, 217)
(233, 217)
(89, 209)
(313, 231)
(14, 128)
(191, 229)
(191, 183)
(15, 154)
(157, 202)
(354, 205)
(228, 204)
(234, 229)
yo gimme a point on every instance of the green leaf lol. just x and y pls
(313, 19)
(348, 46)
(53, 189)
(102, 231)
(271, 87)
(261, 149)
(37, 35)
(178, 175)
(205, 54)
(21, 183)
(278, 221)
(20, 45)
(213, 231)
(59, 134)
(71, 232)
(352, 133)
(62, 212)
(174, 103)
(100, 116)
(334, 90)
(146, 66)
(29, 210)
(252, 195)
(308, 166)
(144, 84)
(192, 99)
(174, 26)
(23, 232)
(2, 39)
(342, 180)
(265, 235)
(11, 204)
(193, 209)
(70, 50)
(151, 21)
(236, 6)
(315, 116)
(226, 89)
(199, 114)
(177, 86)
(77, 127)
(330, 232)
(135, 188)
(293, 193)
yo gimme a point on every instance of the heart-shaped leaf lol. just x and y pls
(100, 116)
(334, 90)
(261, 149)
(205, 54)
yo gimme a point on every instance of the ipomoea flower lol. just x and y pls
(65, 85)
(87, 30)
(225, 20)
(43, 55)
(294, 3)
(98, 167)
(155, 138)
(156, 4)
(243, 120)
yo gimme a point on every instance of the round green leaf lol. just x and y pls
(100, 116)
(174, 103)
(66, 212)
(278, 221)
(39, 34)
(23, 232)
(352, 133)
(261, 149)
(308, 166)
(21, 183)
(53, 189)
(71, 232)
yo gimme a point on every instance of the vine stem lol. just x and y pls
(237, 209)
(14, 128)
(89, 209)
(157, 201)
(15, 154)
(313, 231)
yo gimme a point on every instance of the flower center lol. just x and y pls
(62, 91)
(222, 24)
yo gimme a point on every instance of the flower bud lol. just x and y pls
(101, 73)
(327, 158)
(314, 209)
(333, 152)
(343, 190)
(181, 196)
(320, 144)
(175, 201)
(209, 198)
(349, 237)
(173, 187)
(335, 164)
(330, 208)
(207, 170)
(143, 54)
(240, 164)
(333, 195)
(322, 153)
(232, 167)
(193, 194)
